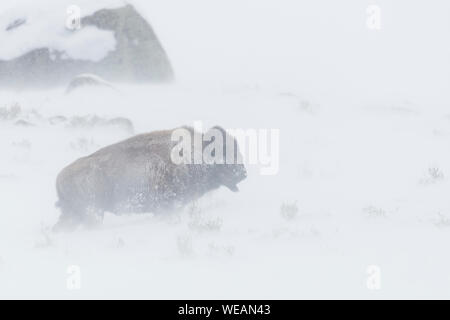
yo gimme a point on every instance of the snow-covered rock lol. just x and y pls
(87, 80)
(46, 46)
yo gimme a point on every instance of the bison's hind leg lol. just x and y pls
(72, 217)
(68, 221)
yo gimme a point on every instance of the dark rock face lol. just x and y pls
(138, 56)
(138, 176)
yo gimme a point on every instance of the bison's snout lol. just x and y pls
(234, 176)
(232, 187)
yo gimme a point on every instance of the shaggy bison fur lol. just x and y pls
(138, 176)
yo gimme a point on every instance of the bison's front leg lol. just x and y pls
(71, 218)
(93, 217)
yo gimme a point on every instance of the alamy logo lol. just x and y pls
(74, 278)
(73, 21)
(234, 146)
(373, 17)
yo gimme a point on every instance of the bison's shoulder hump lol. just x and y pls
(157, 141)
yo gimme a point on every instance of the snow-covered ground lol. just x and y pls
(364, 124)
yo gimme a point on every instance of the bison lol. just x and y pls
(139, 175)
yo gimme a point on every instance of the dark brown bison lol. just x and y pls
(139, 175)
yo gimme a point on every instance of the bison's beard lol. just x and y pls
(233, 187)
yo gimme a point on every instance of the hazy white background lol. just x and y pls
(365, 133)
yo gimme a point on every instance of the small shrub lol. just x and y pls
(200, 223)
(45, 240)
(218, 250)
(442, 220)
(10, 113)
(83, 145)
(24, 144)
(119, 243)
(374, 212)
(93, 121)
(308, 107)
(185, 246)
(289, 211)
(434, 174)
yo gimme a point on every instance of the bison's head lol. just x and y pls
(227, 168)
